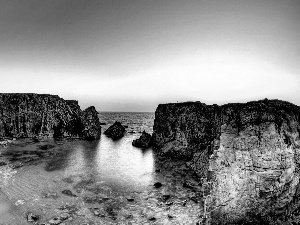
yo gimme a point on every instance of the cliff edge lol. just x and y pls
(30, 115)
(247, 156)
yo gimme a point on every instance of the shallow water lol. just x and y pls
(112, 176)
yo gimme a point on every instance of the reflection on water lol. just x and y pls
(121, 162)
(115, 163)
(81, 167)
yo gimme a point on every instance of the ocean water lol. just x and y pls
(86, 170)
(137, 122)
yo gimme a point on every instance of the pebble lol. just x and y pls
(152, 218)
(157, 185)
(32, 217)
(130, 199)
(69, 193)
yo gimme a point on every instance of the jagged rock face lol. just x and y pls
(91, 124)
(115, 131)
(144, 141)
(183, 129)
(29, 115)
(251, 162)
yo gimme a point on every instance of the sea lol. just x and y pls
(105, 181)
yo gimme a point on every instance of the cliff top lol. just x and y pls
(259, 103)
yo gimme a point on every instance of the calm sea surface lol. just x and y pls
(112, 168)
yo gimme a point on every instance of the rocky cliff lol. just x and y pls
(247, 155)
(29, 115)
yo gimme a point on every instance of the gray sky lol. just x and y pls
(126, 55)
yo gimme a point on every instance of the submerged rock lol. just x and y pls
(170, 216)
(46, 147)
(52, 195)
(247, 155)
(69, 193)
(144, 141)
(165, 197)
(3, 163)
(151, 218)
(98, 212)
(130, 199)
(55, 221)
(115, 131)
(157, 185)
(188, 184)
(32, 217)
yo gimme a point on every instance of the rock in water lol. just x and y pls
(144, 141)
(115, 131)
(69, 193)
(157, 185)
(43, 115)
(32, 217)
(91, 124)
(248, 155)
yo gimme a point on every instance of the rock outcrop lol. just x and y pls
(31, 115)
(144, 141)
(115, 131)
(247, 155)
(91, 124)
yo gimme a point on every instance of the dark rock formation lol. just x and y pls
(248, 155)
(36, 115)
(69, 193)
(115, 131)
(91, 124)
(157, 185)
(32, 217)
(144, 141)
(183, 129)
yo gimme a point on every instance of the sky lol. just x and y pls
(131, 55)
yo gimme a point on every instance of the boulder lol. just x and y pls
(247, 156)
(144, 141)
(115, 131)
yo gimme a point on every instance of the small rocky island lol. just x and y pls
(44, 115)
(246, 156)
(115, 131)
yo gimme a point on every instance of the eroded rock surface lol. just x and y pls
(36, 115)
(144, 141)
(247, 154)
(91, 124)
(115, 131)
